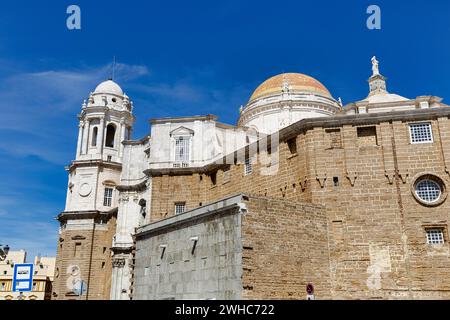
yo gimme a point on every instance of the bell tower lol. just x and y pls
(105, 121)
(88, 223)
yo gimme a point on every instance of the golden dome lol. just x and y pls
(294, 82)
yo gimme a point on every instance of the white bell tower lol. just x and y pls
(89, 220)
(106, 121)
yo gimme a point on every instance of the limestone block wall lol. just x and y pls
(377, 228)
(285, 247)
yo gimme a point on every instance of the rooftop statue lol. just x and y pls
(375, 66)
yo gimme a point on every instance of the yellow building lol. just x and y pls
(44, 269)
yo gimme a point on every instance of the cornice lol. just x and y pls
(136, 187)
(249, 114)
(183, 119)
(94, 110)
(89, 214)
(142, 141)
(92, 163)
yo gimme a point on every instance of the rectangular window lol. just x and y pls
(248, 169)
(292, 145)
(214, 178)
(421, 133)
(182, 145)
(77, 250)
(180, 207)
(107, 200)
(435, 236)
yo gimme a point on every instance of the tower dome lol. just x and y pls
(110, 87)
(284, 99)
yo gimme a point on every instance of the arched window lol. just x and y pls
(143, 205)
(94, 136)
(110, 135)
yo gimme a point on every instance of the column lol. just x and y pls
(114, 284)
(80, 138)
(101, 134)
(122, 137)
(84, 146)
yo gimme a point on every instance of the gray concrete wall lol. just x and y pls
(213, 271)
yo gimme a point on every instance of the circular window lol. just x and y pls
(428, 191)
(114, 100)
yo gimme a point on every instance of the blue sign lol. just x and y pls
(23, 278)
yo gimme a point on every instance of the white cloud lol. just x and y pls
(32, 236)
(37, 107)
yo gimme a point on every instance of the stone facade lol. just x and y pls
(352, 199)
(375, 225)
(84, 254)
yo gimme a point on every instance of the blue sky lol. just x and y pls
(180, 58)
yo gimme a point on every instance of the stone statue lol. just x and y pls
(286, 86)
(375, 67)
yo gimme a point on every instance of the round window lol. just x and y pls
(428, 191)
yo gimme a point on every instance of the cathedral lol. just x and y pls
(304, 191)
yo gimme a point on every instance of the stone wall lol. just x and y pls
(285, 247)
(249, 248)
(168, 266)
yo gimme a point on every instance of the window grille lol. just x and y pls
(428, 191)
(421, 133)
(182, 146)
(180, 207)
(435, 236)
